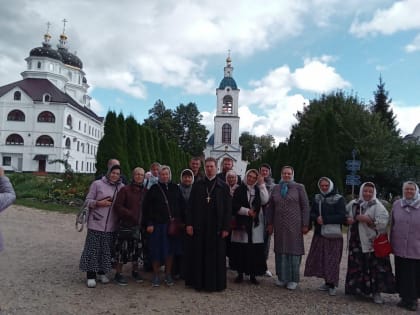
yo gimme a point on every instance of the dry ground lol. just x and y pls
(39, 275)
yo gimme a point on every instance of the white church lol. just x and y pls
(224, 142)
(46, 116)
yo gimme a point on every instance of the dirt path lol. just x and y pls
(39, 275)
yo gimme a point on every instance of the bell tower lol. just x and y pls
(225, 140)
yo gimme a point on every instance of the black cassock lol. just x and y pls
(209, 212)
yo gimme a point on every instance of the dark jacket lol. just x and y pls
(155, 210)
(128, 205)
(333, 210)
(240, 199)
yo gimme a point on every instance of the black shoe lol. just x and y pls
(239, 278)
(136, 276)
(412, 306)
(254, 280)
(120, 279)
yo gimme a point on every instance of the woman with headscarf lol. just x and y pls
(232, 181)
(247, 240)
(324, 256)
(367, 275)
(161, 203)
(102, 223)
(129, 209)
(405, 241)
(288, 217)
(265, 175)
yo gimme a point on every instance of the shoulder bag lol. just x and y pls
(82, 217)
(175, 225)
(382, 246)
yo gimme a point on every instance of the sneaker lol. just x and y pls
(377, 298)
(332, 291)
(103, 279)
(280, 283)
(155, 281)
(292, 285)
(169, 281)
(268, 273)
(136, 276)
(120, 279)
(324, 287)
(91, 283)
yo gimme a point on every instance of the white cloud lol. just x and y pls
(414, 45)
(407, 117)
(400, 16)
(97, 107)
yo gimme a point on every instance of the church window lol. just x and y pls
(14, 139)
(7, 160)
(68, 143)
(46, 116)
(226, 133)
(17, 95)
(227, 105)
(45, 140)
(39, 65)
(47, 97)
(69, 121)
(16, 115)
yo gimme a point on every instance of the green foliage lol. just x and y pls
(254, 147)
(190, 133)
(381, 105)
(51, 192)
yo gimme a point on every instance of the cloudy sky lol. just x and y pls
(284, 53)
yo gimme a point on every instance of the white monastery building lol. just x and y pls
(224, 142)
(46, 116)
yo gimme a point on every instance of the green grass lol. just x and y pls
(51, 206)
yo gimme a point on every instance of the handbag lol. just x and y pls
(382, 246)
(175, 226)
(129, 233)
(330, 230)
(82, 217)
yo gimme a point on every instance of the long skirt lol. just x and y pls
(97, 252)
(287, 267)
(366, 273)
(161, 246)
(128, 249)
(324, 259)
(248, 258)
(407, 276)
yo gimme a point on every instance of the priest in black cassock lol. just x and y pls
(207, 224)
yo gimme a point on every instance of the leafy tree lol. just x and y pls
(161, 120)
(254, 147)
(190, 133)
(133, 143)
(111, 144)
(381, 105)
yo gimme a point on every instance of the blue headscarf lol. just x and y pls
(284, 185)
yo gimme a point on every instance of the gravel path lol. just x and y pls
(39, 275)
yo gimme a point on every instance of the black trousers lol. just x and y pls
(407, 276)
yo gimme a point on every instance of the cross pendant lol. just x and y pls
(208, 199)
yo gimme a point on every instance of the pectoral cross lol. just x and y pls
(208, 199)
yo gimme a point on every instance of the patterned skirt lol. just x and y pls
(324, 259)
(97, 253)
(366, 273)
(128, 249)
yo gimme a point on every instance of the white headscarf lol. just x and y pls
(330, 189)
(366, 203)
(415, 201)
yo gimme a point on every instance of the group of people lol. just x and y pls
(222, 218)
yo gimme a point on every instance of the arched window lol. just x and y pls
(16, 115)
(45, 141)
(68, 143)
(227, 104)
(39, 65)
(46, 117)
(17, 95)
(47, 97)
(226, 133)
(69, 121)
(14, 139)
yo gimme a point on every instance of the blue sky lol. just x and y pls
(284, 53)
